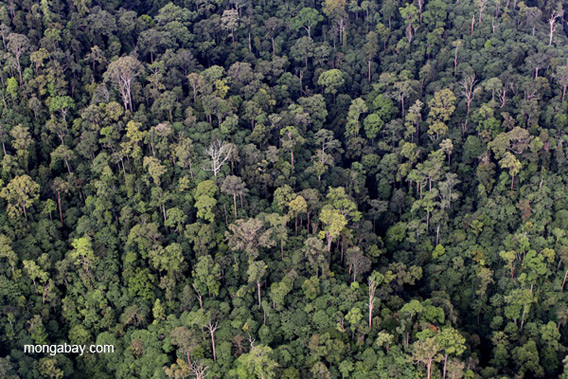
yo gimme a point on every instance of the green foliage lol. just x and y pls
(290, 189)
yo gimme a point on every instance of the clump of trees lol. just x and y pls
(284, 189)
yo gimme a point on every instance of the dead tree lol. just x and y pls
(211, 328)
(469, 90)
(219, 152)
(552, 23)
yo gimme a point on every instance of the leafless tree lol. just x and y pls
(219, 152)
(251, 341)
(197, 368)
(211, 328)
(469, 90)
(372, 288)
(502, 95)
(552, 23)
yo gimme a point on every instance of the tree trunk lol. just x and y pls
(292, 158)
(59, 206)
(67, 164)
(19, 71)
(235, 204)
(199, 297)
(213, 345)
(258, 292)
(130, 100)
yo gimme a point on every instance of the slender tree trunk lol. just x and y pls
(235, 203)
(199, 297)
(59, 206)
(523, 317)
(191, 170)
(273, 47)
(212, 332)
(19, 71)
(67, 164)
(194, 93)
(45, 293)
(258, 292)
(130, 100)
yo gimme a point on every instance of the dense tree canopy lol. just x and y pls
(284, 189)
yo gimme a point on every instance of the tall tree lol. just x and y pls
(233, 185)
(20, 194)
(307, 19)
(122, 72)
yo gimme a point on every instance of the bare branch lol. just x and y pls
(197, 369)
(219, 152)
